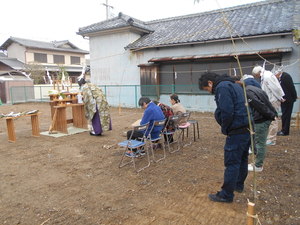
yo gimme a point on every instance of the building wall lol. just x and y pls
(17, 51)
(30, 56)
(111, 64)
(4, 67)
(27, 55)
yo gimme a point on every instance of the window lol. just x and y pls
(75, 60)
(183, 77)
(59, 59)
(149, 81)
(180, 78)
(40, 57)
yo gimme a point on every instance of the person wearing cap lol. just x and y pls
(270, 84)
(249, 80)
(96, 108)
(287, 84)
(231, 115)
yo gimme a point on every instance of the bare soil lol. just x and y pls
(76, 180)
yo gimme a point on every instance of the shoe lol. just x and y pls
(156, 146)
(131, 154)
(141, 152)
(270, 143)
(257, 169)
(217, 198)
(93, 134)
(280, 133)
(238, 190)
(250, 150)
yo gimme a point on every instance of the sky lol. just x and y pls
(50, 20)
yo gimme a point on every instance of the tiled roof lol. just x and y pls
(260, 18)
(266, 17)
(121, 21)
(53, 46)
(11, 62)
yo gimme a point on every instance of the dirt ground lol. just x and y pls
(76, 180)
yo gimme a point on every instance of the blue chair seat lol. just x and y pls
(131, 143)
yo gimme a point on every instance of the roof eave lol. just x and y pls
(115, 30)
(207, 41)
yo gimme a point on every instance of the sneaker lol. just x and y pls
(250, 150)
(257, 169)
(217, 198)
(141, 152)
(270, 143)
(280, 133)
(131, 154)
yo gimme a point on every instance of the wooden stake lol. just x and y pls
(251, 213)
(120, 109)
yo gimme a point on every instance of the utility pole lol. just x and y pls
(107, 8)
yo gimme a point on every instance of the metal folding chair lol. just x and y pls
(137, 145)
(158, 123)
(170, 134)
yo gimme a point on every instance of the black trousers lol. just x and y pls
(135, 136)
(286, 109)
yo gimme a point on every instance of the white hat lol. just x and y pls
(257, 70)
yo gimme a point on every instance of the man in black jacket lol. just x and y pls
(290, 97)
(263, 114)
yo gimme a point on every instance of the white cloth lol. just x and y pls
(271, 85)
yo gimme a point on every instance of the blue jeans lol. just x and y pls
(236, 164)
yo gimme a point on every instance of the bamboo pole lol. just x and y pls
(120, 109)
(251, 213)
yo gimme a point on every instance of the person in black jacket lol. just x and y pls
(263, 114)
(290, 97)
(231, 115)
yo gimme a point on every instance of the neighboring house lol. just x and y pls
(7, 64)
(175, 51)
(51, 56)
(19, 81)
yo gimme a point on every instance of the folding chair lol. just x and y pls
(158, 123)
(132, 144)
(173, 121)
(184, 125)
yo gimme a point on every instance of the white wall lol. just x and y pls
(17, 51)
(111, 64)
